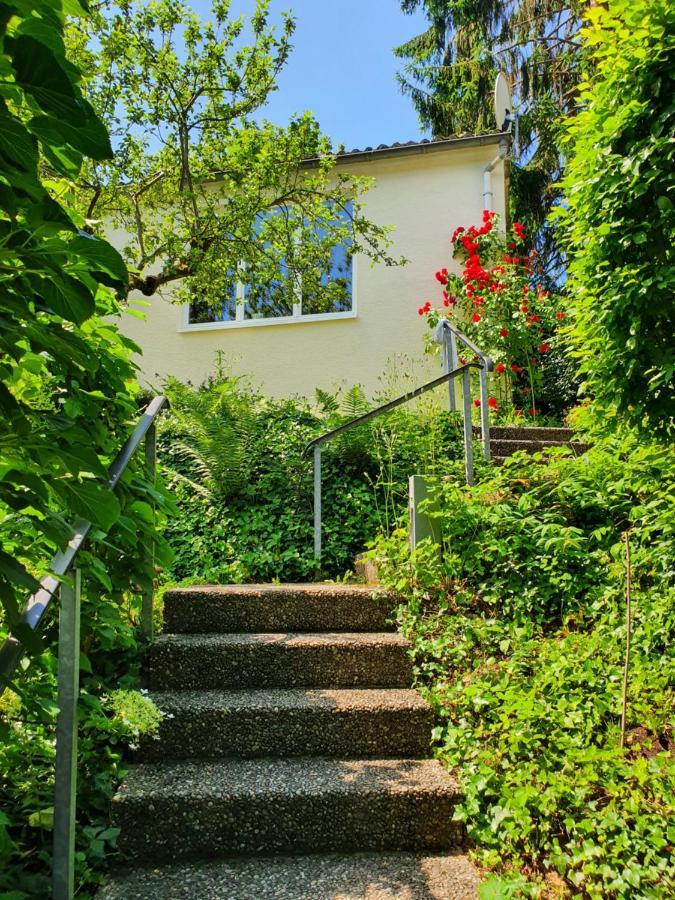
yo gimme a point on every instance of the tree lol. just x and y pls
(450, 71)
(618, 220)
(204, 187)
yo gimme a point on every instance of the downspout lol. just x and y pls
(487, 174)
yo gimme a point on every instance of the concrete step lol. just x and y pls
(213, 661)
(269, 607)
(168, 812)
(507, 448)
(291, 722)
(533, 433)
(359, 876)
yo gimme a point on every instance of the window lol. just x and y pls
(283, 299)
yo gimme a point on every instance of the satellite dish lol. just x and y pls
(503, 108)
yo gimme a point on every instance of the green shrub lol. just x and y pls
(112, 715)
(67, 402)
(244, 488)
(518, 630)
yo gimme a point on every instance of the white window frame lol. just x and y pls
(296, 319)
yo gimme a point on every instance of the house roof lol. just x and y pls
(427, 145)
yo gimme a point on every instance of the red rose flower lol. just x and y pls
(492, 403)
(532, 412)
(500, 367)
(560, 315)
(476, 403)
(503, 332)
(475, 317)
(544, 348)
(516, 368)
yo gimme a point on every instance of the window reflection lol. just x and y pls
(326, 292)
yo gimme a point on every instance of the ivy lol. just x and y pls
(618, 220)
(518, 634)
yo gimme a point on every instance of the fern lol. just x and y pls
(215, 428)
(354, 403)
(328, 403)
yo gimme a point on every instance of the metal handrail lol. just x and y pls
(483, 366)
(64, 580)
(447, 336)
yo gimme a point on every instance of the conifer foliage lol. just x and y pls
(449, 73)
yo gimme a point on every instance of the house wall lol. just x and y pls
(425, 195)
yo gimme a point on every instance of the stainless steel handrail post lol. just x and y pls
(317, 501)
(484, 407)
(468, 430)
(65, 783)
(147, 601)
(449, 351)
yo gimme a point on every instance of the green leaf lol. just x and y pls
(42, 31)
(17, 145)
(8, 201)
(43, 818)
(65, 159)
(105, 262)
(40, 75)
(48, 211)
(68, 297)
(91, 138)
(75, 7)
(16, 573)
(93, 502)
(143, 511)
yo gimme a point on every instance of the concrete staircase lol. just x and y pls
(507, 440)
(293, 759)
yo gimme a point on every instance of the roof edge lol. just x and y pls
(414, 148)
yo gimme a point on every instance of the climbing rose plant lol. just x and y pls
(497, 302)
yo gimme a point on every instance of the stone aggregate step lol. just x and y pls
(532, 433)
(168, 812)
(358, 876)
(508, 448)
(341, 659)
(343, 723)
(270, 607)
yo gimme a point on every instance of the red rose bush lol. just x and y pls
(497, 302)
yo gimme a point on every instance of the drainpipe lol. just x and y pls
(487, 174)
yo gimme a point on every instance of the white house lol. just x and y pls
(425, 189)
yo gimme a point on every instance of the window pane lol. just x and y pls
(334, 291)
(268, 301)
(201, 310)
(272, 296)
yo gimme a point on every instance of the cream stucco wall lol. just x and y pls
(425, 196)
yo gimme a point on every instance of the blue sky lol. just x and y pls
(343, 68)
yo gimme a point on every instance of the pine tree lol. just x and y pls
(449, 74)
